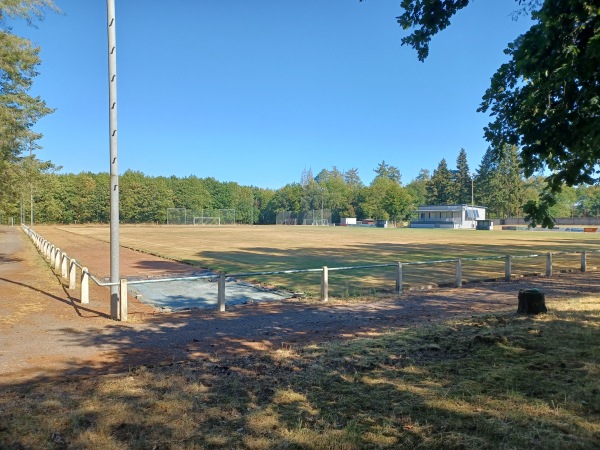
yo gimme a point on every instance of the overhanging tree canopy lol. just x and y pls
(546, 99)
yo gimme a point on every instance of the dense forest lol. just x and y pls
(498, 184)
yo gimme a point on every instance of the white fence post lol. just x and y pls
(399, 278)
(583, 261)
(63, 266)
(508, 268)
(123, 302)
(221, 293)
(549, 264)
(57, 258)
(72, 274)
(325, 284)
(85, 285)
(458, 278)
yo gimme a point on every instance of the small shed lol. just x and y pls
(485, 224)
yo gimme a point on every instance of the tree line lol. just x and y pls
(498, 184)
(543, 104)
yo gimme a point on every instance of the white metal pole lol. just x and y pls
(114, 172)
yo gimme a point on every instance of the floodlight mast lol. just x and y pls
(114, 172)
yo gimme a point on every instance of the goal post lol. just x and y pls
(176, 216)
(207, 220)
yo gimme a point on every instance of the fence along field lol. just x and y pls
(242, 249)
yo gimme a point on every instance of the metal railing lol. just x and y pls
(68, 266)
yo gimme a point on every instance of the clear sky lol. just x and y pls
(257, 91)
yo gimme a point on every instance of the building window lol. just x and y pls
(472, 214)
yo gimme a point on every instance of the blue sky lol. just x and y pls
(257, 91)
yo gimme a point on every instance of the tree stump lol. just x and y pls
(532, 301)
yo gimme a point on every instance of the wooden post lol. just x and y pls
(399, 278)
(458, 274)
(508, 268)
(583, 261)
(72, 274)
(221, 293)
(325, 284)
(549, 264)
(51, 255)
(123, 302)
(85, 285)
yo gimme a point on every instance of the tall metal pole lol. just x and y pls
(114, 172)
(31, 184)
(472, 201)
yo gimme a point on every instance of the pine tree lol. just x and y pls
(499, 183)
(462, 178)
(441, 189)
(19, 111)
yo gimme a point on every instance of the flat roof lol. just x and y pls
(447, 207)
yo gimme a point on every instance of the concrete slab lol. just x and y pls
(202, 293)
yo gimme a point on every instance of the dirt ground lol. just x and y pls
(46, 334)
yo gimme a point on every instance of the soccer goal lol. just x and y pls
(207, 221)
(176, 216)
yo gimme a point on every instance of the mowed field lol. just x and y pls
(243, 249)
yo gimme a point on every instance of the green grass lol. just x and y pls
(498, 381)
(242, 249)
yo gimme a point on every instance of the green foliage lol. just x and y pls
(588, 201)
(431, 17)
(19, 111)
(546, 99)
(417, 188)
(384, 170)
(441, 189)
(499, 182)
(462, 178)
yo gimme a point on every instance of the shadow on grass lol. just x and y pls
(5, 258)
(490, 381)
(73, 302)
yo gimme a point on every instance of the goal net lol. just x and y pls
(176, 216)
(207, 221)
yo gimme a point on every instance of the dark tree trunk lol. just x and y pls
(532, 301)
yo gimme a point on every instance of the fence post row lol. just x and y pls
(60, 261)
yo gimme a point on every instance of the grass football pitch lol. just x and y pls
(243, 249)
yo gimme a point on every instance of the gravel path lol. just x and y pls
(45, 334)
